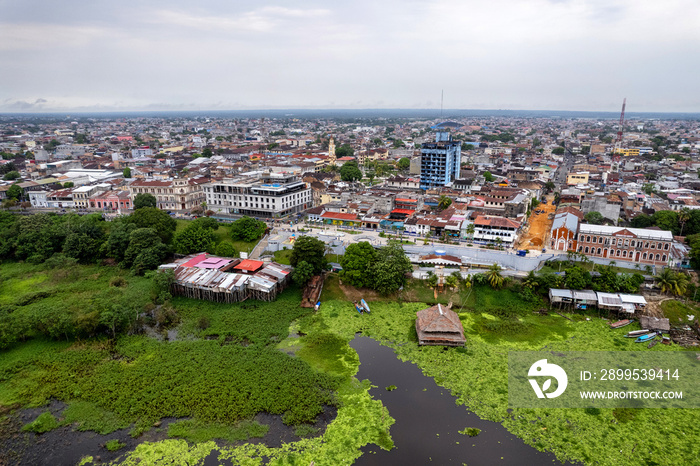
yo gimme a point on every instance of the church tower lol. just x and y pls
(331, 152)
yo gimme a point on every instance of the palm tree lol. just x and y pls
(683, 217)
(470, 231)
(444, 202)
(680, 285)
(530, 280)
(499, 242)
(666, 280)
(494, 276)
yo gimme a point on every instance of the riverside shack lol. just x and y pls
(440, 326)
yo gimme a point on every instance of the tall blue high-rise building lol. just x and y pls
(439, 164)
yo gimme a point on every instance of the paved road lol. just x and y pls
(474, 256)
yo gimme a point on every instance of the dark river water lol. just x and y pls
(427, 422)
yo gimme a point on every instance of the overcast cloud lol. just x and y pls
(221, 55)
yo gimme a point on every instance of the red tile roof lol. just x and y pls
(339, 216)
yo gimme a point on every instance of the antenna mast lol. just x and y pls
(618, 143)
(442, 97)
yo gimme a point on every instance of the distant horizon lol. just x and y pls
(428, 113)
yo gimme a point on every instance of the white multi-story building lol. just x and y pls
(491, 229)
(271, 195)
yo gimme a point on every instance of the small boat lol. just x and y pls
(621, 323)
(636, 333)
(653, 343)
(644, 338)
(317, 306)
(364, 304)
(666, 340)
(359, 308)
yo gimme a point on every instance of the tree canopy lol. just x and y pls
(350, 171)
(247, 229)
(344, 151)
(390, 269)
(194, 238)
(144, 200)
(310, 250)
(357, 264)
(488, 177)
(127, 173)
(404, 163)
(594, 217)
(14, 192)
(150, 217)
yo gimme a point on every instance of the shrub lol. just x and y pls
(118, 282)
(114, 445)
(43, 423)
(203, 323)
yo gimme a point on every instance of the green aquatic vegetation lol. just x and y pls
(328, 353)
(391, 388)
(305, 430)
(114, 445)
(361, 420)
(168, 452)
(197, 431)
(477, 375)
(470, 431)
(43, 423)
(89, 416)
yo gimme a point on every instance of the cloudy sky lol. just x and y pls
(73, 55)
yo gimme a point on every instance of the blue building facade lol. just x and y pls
(440, 161)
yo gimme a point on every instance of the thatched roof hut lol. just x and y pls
(654, 323)
(439, 325)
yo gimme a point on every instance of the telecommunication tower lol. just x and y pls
(618, 142)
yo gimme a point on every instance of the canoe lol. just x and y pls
(636, 333)
(359, 308)
(621, 323)
(364, 304)
(653, 343)
(644, 338)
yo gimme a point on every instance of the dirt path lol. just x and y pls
(538, 226)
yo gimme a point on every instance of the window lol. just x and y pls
(657, 257)
(614, 241)
(624, 253)
(658, 245)
(646, 245)
(632, 243)
(644, 256)
(663, 258)
(666, 246)
(599, 251)
(627, 242)
(618, 253)
(586, 251)
(588, 239)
